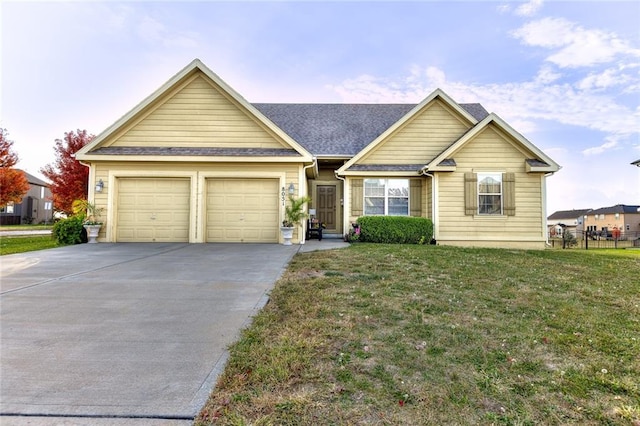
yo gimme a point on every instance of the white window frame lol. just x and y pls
(497, 176)
(386, 197)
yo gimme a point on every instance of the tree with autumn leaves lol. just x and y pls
(13, 182)
(69, 179)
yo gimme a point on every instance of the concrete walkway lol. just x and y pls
(126, 334)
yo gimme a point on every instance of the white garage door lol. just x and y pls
(153, 210)
(242, 210)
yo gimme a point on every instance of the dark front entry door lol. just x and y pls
(326, 206)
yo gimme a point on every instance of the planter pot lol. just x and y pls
(92, 233)
(287, 234)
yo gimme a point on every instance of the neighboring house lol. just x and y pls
(567, 221)
(36, 205)
(195, 162)
(625, 218)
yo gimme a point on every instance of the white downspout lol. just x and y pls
(344, 196)
(545, 228)
(436, 234)
(91, 186)
(314, 163)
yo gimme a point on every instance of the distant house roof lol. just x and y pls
(341, 129)
(618, 208)
(34, 180)
(568, 214)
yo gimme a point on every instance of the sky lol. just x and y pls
(565, 74)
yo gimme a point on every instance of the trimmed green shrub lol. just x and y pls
(395, 229)
(69, 231)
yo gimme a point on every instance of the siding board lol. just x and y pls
(198, 115)
(490, 151)
(421, 139)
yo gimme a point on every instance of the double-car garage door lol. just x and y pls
(158, 210)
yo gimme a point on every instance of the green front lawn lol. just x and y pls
(384, 334)
(25, 227)
(21, 244)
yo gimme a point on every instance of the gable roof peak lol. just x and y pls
(194, 66)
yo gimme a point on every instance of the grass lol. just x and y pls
(21, 244)
(25, 227)
(382, 334)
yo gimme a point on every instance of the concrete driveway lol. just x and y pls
(125, 331)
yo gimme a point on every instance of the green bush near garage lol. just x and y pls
(69, 231)
(395, 229)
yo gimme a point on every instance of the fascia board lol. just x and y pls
(192, 159)
(196, 64)
(253, 110)
(442, 169)
(379, 173)
(533, 169)
(138, 108)
(438, 93)
(333, 157)
(450, 151)
(553, 166)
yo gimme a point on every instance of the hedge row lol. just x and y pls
(395, 229)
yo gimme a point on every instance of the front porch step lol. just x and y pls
(331, 236)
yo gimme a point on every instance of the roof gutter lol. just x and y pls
(425, 172)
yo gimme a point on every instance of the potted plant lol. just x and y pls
(293, 215)
(92, 223)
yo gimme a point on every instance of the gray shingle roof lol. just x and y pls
(568, 214)
(341, 129)
(448, 162)
(534, 162)
(618, 208)
(186, 151)
(34, 180)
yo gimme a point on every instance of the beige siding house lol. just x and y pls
(195, 162)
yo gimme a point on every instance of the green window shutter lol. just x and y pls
(415, 197)
(509, 193)
(470, 193)
(356, 197)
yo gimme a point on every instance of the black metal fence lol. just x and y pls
(597, 240)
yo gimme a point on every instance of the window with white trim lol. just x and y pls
(490, 193)
(386, 197)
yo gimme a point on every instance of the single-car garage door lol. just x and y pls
(242, 210)
(153, 210)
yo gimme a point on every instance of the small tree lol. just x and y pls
(69, 179)
(294, 212)
(13, 182)
(568, 239)
(88, 209)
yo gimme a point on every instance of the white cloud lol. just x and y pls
(522, 104)
(153, 31)
(529, 9)
(574, 45)
(504, 8)
(603, 80)
(547, 75)
(610, 142)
